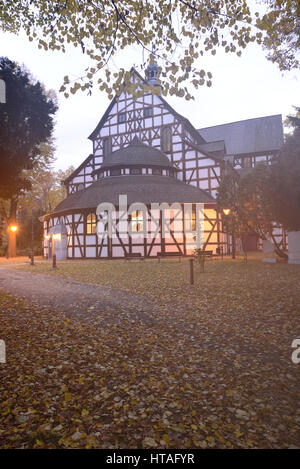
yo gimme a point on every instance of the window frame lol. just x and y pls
(166, 139)
(106, 149)
(137, 220)
(117, 172)
(135, 171)
(156, 172)
(190, 220)
(91, 223)
(145, 112)
(122, 115)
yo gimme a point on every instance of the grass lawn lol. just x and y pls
(211, 368)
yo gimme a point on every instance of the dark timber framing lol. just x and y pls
(198, 163)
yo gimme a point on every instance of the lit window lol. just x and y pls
(190, 220)
(106, 146)
(122, 117)
(137, 221)
(91, 223)
(166, 139)
(148, 112)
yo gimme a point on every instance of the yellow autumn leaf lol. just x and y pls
(68, 396)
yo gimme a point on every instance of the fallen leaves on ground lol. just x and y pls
(208, 367)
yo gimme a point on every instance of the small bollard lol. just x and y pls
(202, 262)
(32, 258)
(191, 271)
(54, 261)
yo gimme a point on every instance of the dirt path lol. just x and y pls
(70, 296)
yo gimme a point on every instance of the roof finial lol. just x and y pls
(152, 72)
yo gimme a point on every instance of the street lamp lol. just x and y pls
(227, 212)
(11, 240)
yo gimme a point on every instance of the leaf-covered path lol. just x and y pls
(147, 360)
(67, 295)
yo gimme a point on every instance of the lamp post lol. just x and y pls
(11, 247)
(32, 237)
(227, 213)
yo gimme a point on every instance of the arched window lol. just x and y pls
(166, 139)
(91, 223)
(106, 146)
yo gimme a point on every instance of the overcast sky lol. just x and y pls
(243, 88)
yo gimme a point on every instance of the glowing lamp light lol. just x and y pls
(57, 236)
(226, 211)
(13, 228)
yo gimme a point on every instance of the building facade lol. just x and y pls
(129, 140)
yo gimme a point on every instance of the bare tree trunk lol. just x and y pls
(12, 244)
(233, 241)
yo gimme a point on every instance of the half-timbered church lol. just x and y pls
(143, 149)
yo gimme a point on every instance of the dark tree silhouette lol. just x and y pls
(26, 120)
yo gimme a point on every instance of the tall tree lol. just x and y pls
(267, 194)
(47, 189)
(26, 121)
(46, 192)
(249, 197)
(177, 32)
(284, 187)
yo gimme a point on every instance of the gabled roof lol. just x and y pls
(193, 131)
(188, 124)
(258, 135)
(213, 147)
(145, 189)
(137, 153)
(76, 171)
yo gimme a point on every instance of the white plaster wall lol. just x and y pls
(294, 247)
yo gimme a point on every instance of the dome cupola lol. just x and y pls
(136, 159)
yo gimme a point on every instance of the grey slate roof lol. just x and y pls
(262, 134)
(213, 147)
(146, 189)
(137, 153)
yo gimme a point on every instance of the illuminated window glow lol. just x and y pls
(190, 220)
(137, 221)
(91, 223)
